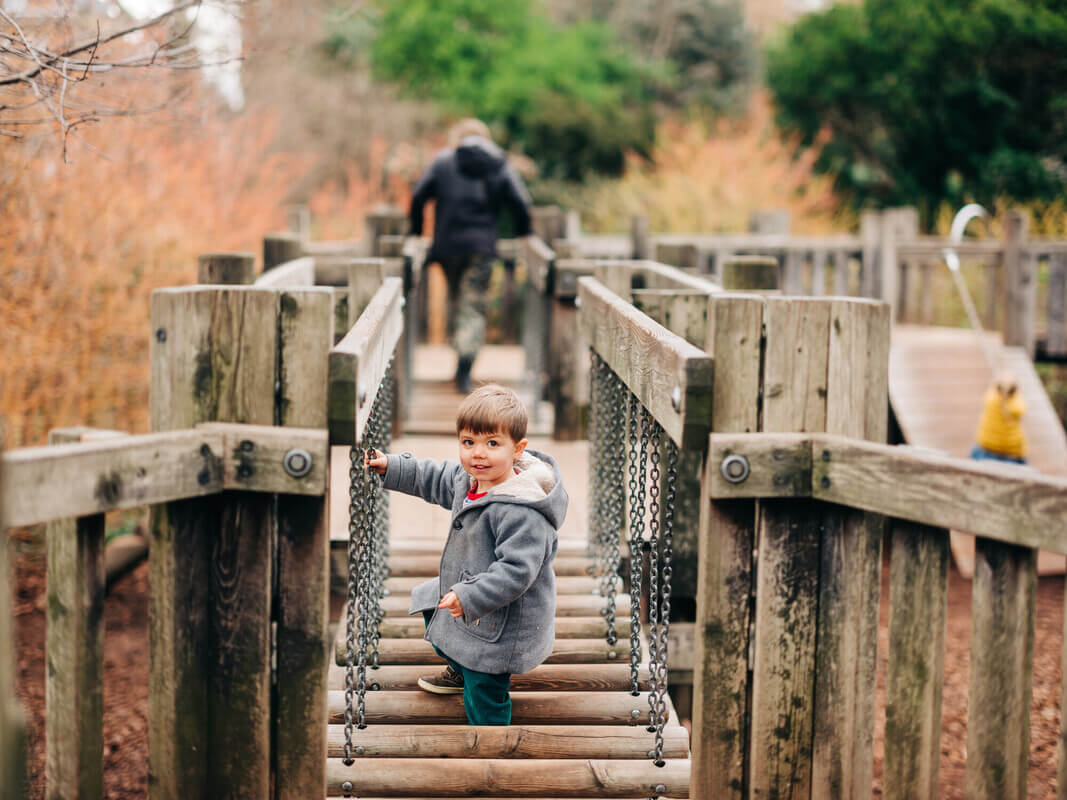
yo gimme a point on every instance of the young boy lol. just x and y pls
(491, 610)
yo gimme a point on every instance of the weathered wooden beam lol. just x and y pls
(302, 641)
(73, 480)
(1003, 502)
(468, 777)
(777, 465)
(358, 363)
(12, 721)
(527, 708)
(214, 358)
(564, 651)
(749, 273)
(74, 652)
(788, 560)
(544, 678)
(721, 645)
(565, 628)
(567, 605)
(918, 616)
(514, 741)
(684, 311)
(670, 377)
(1056, 339)
(254, 458)
(296, 273)
(1001, 669)
(857, 400)
(279, 248)
(1020, 282)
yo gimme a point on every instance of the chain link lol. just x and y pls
(368, 558)
(637, 467)
(658, 697)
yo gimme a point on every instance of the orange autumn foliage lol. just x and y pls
(82, 246)
(711, 178)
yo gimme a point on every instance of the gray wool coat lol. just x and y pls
(498, 560)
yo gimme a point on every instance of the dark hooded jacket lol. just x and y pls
(471, 185)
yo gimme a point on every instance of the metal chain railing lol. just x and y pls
(636, 430)
(658, 695)
(368, 534)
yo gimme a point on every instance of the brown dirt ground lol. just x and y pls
(126, 681)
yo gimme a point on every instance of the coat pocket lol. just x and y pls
(488, 627)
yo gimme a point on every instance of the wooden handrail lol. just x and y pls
(671, 377)
(1004, 502)
(41, 484)
(359, 361)
(298, 272)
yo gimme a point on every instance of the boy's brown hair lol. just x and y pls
(492, 408)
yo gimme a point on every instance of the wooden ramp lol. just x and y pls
(577, 731)
(937, 379)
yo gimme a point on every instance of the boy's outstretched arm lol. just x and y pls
(432, 481)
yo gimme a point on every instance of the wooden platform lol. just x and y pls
(577, 731)
(937, 379)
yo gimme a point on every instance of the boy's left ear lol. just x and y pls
(520, 446)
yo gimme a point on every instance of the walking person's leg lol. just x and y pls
(468, 316)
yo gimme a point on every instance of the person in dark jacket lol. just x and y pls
(471, 184)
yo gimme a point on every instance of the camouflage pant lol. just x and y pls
(468, 285)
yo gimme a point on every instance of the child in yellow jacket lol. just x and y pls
(1000, 432)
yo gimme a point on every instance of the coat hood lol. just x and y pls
(478, 157)
(538, 483)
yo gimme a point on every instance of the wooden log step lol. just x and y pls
(567, 605)
(547, 677)
(567, 584)
(564, 651)
(566, 628)
(515, 741)
(427, 565)
(473, 777)
(413, 546)
(527, 708)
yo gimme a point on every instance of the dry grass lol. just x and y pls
(702, 179)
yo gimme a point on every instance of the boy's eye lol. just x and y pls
(494, 443)
(468, 442)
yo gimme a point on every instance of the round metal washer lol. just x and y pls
(735, 468)
(297, 462)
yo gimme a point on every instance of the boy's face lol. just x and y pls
(489, 457)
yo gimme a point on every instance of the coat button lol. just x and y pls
(457, 524)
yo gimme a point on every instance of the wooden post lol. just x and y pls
(281, 247)
(384, 220)
(897, 224)
(302, 639)
(299, 217)
(1002, 660)
(918, 617)
(1020, 282)
(214, 355)
(771, 221)
(1061, 744)
(926, 292)
(567, 357)
(793, 273)
(548, 223)
(818, 273)
(994, 290)
(871, 234)
(857, 406)
(1056, 342)
(365, 276)
(12, 723)
(228, 268)
(787, 581)
(74, 652)
(749, 273)
(721, 646)
(641, 247)
(841, 278)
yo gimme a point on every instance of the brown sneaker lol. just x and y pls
(447, 682)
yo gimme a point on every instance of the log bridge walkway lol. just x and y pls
(766, 418)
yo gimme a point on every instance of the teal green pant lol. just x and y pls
(485, 696)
